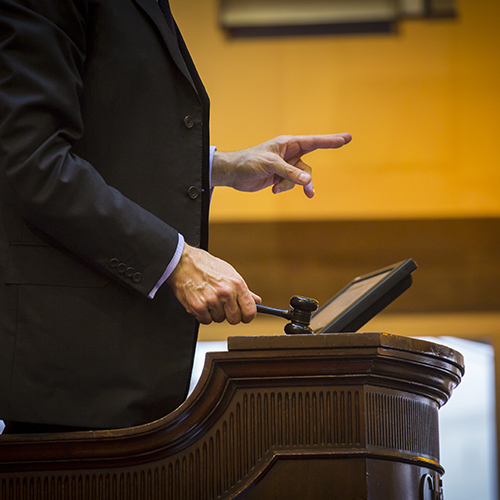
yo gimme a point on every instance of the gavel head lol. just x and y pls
(302, 309)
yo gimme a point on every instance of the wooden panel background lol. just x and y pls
(458, 259)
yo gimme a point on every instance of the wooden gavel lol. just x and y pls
(299, 314)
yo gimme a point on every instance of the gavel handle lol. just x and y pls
(274, 312)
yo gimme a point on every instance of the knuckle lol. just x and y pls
(248, 317)
(283, 139)
(225, 291)
(233, 320)
(211, 302)
(199, 307)
(248, 308)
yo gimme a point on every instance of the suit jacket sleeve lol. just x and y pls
(42, 51)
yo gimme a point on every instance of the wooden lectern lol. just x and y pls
(303, 417)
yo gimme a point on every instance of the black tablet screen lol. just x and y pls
(349, 296)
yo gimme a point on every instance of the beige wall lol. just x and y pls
(422, 105)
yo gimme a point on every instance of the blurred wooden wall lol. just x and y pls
(459, 259)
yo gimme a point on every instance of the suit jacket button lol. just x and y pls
(114, 263)
(189, 121)
(122, 268)
(129, 272)
(137, 278)
(193, 192)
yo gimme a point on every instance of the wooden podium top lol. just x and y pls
(345, 341)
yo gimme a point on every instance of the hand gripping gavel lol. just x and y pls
(299, 314)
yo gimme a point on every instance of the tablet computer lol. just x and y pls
(363, 298)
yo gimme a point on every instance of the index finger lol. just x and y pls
(303, 144)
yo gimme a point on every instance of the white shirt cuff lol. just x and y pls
(171, 266)
(213, 149)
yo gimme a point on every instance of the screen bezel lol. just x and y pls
(378, 296)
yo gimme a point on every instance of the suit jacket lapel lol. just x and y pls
(151, 8)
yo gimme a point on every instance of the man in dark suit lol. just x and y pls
(106, 171)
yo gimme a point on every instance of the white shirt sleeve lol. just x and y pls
(171, 266)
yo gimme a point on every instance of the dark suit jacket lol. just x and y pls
(103, 131)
